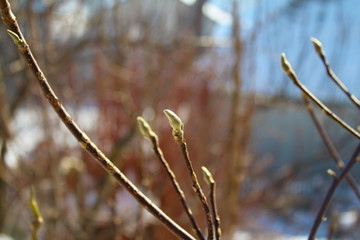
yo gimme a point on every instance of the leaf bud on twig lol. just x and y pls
(145, 129)
(207, 176)
(176, 124)
(285, 65)
(35, 209)
(331, 173)
(318, 47)
(17, 40)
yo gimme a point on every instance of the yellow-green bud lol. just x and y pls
(207, 176)
(19, 42)
(176, 124)
(145, 128)
(318, 47)
(285, 65)
(331, 173)
(34, 207)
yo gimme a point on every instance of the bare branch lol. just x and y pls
(210, 180)
(152, 137)
(331, 148)
(291, 74)
(321, 53)
(336, 182)
(178, 134)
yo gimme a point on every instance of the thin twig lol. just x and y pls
(15, 32)
(291, 74)
(197, 188)
(178, 135)
(336, 182)
(152, 137)
(331, 148)
(321, 53)
(179, 191)
(210, 180)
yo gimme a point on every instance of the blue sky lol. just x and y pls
(287, 26)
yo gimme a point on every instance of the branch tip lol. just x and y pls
(35, 209)
(145, 128)
(15, 37)
(207, 176)
(176, 124)
(285, 65)
(331, 173)
(318, 47)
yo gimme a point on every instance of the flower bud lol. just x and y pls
(207, 176)
(145, 128)
(176, 124)
(318, 47)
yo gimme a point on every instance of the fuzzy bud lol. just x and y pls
(331, 173)
(17, 40)
(318, 47)
(145, 128)
(285, 65)
(35, 209)
(207, 176)
(176, 124)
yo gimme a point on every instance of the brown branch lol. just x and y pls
(210, 180)
(336, 182)
(321, 53)
(152, 137)
(15, 32)
(214, 212)
(197, 188)
(176, 185)
(178, 135)
(330, 146)
(291, 74)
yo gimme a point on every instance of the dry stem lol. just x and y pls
(178, 134)
(197, 188)
(330, 146)
(149, 134)
(291, 74)
(210, 180)
(177, 187)
(321, 53)
(336, 182)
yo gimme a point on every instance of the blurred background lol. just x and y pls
(217, 65)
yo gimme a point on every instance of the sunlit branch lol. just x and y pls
(291, 74)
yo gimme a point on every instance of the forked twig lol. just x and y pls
(321, 53)
(178, 135)
(153, 138)
(330, 146)
(15, 32)
(210, 180)
(336, 182)
(286, 67)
